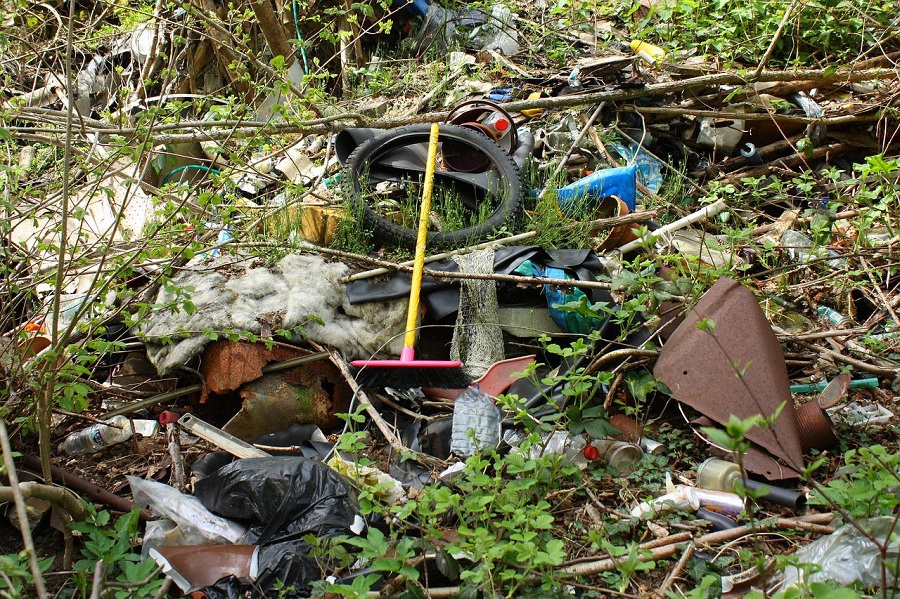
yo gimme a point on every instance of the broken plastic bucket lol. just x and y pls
(588, 191)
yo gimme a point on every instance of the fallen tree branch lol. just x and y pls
(713, 538)
(19, 501)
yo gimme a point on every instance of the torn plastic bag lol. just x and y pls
(185, 520)
(307, 440)
(846, 556)
(567, 320)
(282, 499)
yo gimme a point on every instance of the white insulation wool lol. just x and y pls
(283, 296)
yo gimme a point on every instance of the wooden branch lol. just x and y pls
(19, 501)
(272, 30)
(442, 274)
(713, 538)
(791, 161)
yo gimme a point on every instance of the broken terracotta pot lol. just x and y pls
(735, 367)
(309, 394)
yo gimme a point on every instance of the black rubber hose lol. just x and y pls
(790, 499)
(398, 156)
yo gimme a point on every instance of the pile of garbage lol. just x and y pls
(652, 305)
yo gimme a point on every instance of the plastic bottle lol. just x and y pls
(800, 249)
(648, 52)
(563, 443)
(97, 436)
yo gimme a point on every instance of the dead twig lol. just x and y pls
(676, 570)
(21, 512)
(669, 549)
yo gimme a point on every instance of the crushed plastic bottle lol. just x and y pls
(476, 422)
(97, 436)
(800, 249)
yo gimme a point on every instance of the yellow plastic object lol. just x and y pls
(419, 259)
(533, 112)
(384, 486)
(648, 52)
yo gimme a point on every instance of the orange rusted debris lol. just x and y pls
(227, 365)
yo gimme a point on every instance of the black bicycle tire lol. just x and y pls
(390, 232)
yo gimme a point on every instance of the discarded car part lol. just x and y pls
(193, 567)
(407, 371)
(490, 115)
(816, 429)
(476, 423)
(311, 394)
(741, 342)
(219, 438)
(399, 156)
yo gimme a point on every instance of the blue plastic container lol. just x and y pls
(586, 193)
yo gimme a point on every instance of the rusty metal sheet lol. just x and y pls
(226, 365)
(736, 368)
(309, 394)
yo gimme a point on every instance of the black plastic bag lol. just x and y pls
(282, 499)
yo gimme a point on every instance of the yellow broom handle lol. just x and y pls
(419, 261)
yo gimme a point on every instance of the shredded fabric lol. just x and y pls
(289, 294)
